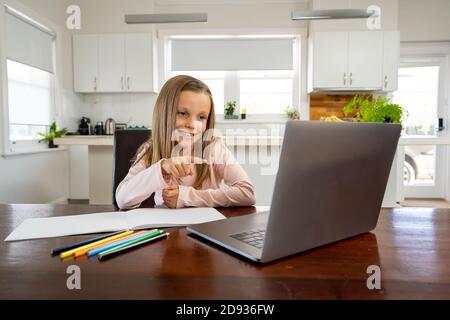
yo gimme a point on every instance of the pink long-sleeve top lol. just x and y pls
(141, 182)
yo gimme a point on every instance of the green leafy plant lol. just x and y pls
(229, 108)
(291, 113)
(52, 134)
(367, 109)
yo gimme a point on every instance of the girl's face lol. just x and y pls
(192, 115)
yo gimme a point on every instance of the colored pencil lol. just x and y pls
(82, 252)
(71, 252)
(82, 243)
(116, 243)
(129, 246)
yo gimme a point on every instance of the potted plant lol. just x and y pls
(291, 113)
(367, 109)
(52, 134)
(230, 106)
(244, 113)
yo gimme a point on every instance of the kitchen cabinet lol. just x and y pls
(353, 61)
(365, 60)
(85, 63)
(391, 56)
(139, 63)
(118, 63)
(111, 66)
(330, 56)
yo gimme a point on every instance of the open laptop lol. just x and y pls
(329, 186)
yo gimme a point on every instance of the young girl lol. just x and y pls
(182, 162)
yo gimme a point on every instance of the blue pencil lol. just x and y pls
(93, 252)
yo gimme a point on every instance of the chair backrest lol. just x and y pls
(126, 144)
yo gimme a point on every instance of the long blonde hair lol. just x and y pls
(160, 144)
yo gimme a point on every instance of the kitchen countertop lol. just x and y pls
(86, 140)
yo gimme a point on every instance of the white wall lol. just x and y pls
(421, 20)
(34, 178)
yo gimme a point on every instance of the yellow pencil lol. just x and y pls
(117, 236)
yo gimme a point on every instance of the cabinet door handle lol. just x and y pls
(121, 82)
(351, 79)
(345, 78)
(128, 83)
(95, 83)
(385, 82)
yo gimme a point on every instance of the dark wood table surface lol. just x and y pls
(410, 245)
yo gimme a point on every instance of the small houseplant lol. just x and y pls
(367, 109)
(52, 134)
(244, 113)
(230, 106)
(291, 113)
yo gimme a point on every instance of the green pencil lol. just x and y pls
(132, 244)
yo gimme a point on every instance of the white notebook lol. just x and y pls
(38, 228)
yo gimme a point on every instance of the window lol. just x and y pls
(265, 92)
(30, 101)
(418, 93)
(30, 78)
(257, 72)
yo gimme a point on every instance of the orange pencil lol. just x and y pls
(82, 252)
(90, 245)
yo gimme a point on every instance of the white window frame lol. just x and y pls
(8, 147)
(300, 99)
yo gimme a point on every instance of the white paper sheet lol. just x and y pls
(38, 228)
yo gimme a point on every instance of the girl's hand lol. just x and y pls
(179, 167)
(170, 196)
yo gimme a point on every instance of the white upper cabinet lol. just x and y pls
(351, 61)
(391, 56)
(365, 60)
(85, 63)
(123, 63)
(139, 62)
(112, 63)
(330, 59)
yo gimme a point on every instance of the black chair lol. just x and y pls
(126, 144)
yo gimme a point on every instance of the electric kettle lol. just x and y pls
(110, 126)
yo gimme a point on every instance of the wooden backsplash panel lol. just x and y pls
(326, 105)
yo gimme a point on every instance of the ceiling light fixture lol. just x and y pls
(334, 14)
(165, 18)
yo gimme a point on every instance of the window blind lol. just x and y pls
(28, 44)
(232, 54)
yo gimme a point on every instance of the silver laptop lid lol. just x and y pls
(330, 184)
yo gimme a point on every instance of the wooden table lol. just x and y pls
(411, 246)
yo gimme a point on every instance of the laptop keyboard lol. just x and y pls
(254, 238)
